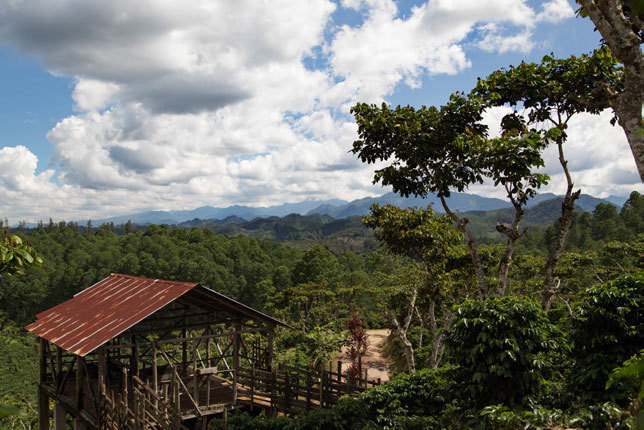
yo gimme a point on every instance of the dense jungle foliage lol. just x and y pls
(524, 368)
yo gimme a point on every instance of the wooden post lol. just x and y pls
(208, 352)
(269, 352)
(60, 415)
(102, 371)
(339, 379)
(208, 364)
(195, 379)
(327, 379)
(224, 423)
(79, 424)
(273, 382)
(125, 387)
(43, 410)
(134, 359)
(59, 366)
(322, 388)
(177, 393)
(184, 345)
(80, 363)
(236, 360)
(43, 361)
(155, 376)
(287, 391)
(308, 390)
(136, 408)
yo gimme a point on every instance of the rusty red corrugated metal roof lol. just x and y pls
(104, 310)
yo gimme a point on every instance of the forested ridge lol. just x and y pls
(313, 289)
(528, 317)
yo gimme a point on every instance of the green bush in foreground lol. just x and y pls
(607, 331)
(501, 347)
(417, 401)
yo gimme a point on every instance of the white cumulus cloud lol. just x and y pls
(183, 104)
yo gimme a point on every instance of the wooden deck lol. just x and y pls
(284, 391)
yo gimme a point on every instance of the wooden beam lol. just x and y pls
(43, 410)
(195, 379)
(65, 400)
(79, 424)
(269, 353)
(146, 330)
(184, 344)
(236, 360)
(102, 372)
(174, 317)
(61, 387)
(134, 358)
(155, 375)
(79, 383)
(186, 339)
(58, 377)
(43, 361)
(60, 416)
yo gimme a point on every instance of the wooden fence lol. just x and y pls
(285, 390)
(290, 390)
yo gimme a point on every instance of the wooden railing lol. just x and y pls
(290, 390)
(171, 389)
(144, 409)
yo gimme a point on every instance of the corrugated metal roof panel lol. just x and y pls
(104, 310)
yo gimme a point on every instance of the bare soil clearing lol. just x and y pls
(374, 359)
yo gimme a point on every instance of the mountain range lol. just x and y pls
(338, 209)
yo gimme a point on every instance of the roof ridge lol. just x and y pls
(164, 281)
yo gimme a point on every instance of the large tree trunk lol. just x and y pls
(422, 328)
(408, 349)
(438, 346)
(461, 225)
(625, 44)
(567, 211)
(629, 113)
(400, 330)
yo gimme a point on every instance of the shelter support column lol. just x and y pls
(102, 372)
(43, 398)
(43, 410)
(269, 351)
(236, 359)
(80, 379)
(79, 424)
(60, 416)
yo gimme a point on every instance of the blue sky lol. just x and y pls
(113, 108)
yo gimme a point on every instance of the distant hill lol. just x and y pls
(337, 209)
(462, 202)
(301, 231)
(348, 233)
(458, 201)
(585, 201)
(209, 212)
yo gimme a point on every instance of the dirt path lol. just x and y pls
(373, 359)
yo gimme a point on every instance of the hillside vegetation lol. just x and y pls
(310, 287)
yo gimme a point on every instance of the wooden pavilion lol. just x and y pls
(140, 353)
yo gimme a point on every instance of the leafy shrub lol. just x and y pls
(245, 421)
(421, 394)
(417, 401)
(596, 417)
(608, 330)
(501, 346)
